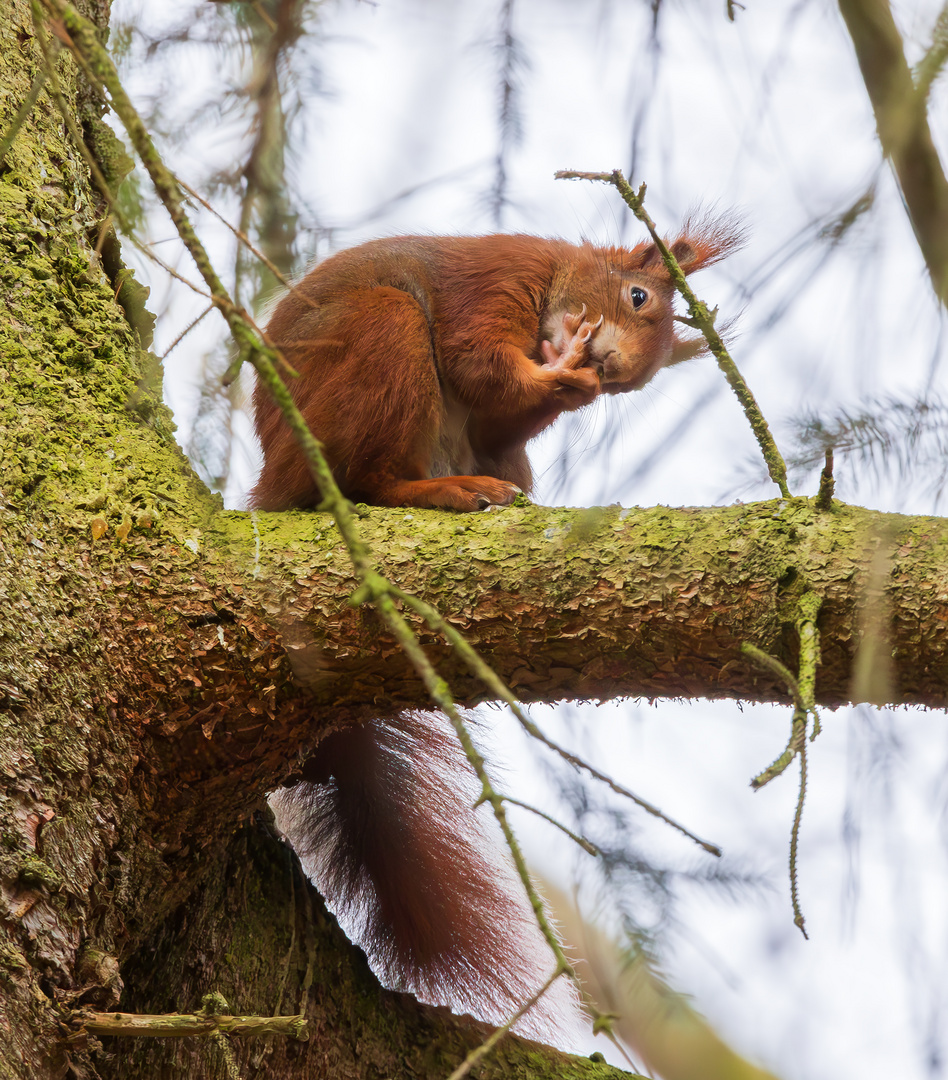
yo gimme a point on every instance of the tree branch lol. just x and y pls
(902, 126)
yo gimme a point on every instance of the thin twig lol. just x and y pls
(587, 845)
(794, 840)
(491, 1041)
(22, 113)
(184, 333)
(701, 319)
(780, 670)
(803, 688)
(931, 65)
(146, 250)
(794, 745)
(241, 236)
(482, 670)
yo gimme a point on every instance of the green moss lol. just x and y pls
(12, 960)
(82, 424)
(109, 151)
(34, 873)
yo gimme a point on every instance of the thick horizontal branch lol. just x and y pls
(232, 659)
(609, 602)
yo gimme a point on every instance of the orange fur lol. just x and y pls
(426, 364)
(386, 825)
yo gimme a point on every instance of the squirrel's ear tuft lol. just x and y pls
(706, 240)
(703, 241)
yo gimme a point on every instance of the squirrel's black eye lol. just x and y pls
(637, 296)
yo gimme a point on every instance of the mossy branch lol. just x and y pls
(701, 318)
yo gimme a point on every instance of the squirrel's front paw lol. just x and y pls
(575, 333)
(577, 387)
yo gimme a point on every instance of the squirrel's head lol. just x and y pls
(633, 292)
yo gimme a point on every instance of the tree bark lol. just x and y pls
(256, 931)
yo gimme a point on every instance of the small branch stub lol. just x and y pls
(176, 1025)
(824, 497)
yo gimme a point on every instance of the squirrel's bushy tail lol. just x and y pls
(385, 825)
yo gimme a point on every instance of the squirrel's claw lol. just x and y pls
(591, 329)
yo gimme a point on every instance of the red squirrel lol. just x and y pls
(425, 365)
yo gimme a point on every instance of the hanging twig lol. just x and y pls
(802, 688)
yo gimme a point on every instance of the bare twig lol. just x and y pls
(241, 236)
(176, 1025)
(701, 319)
(184, 333)
(587, 845)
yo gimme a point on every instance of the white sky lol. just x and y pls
(766, 116)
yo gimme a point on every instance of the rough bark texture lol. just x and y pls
(163, 664)
(276, 951)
